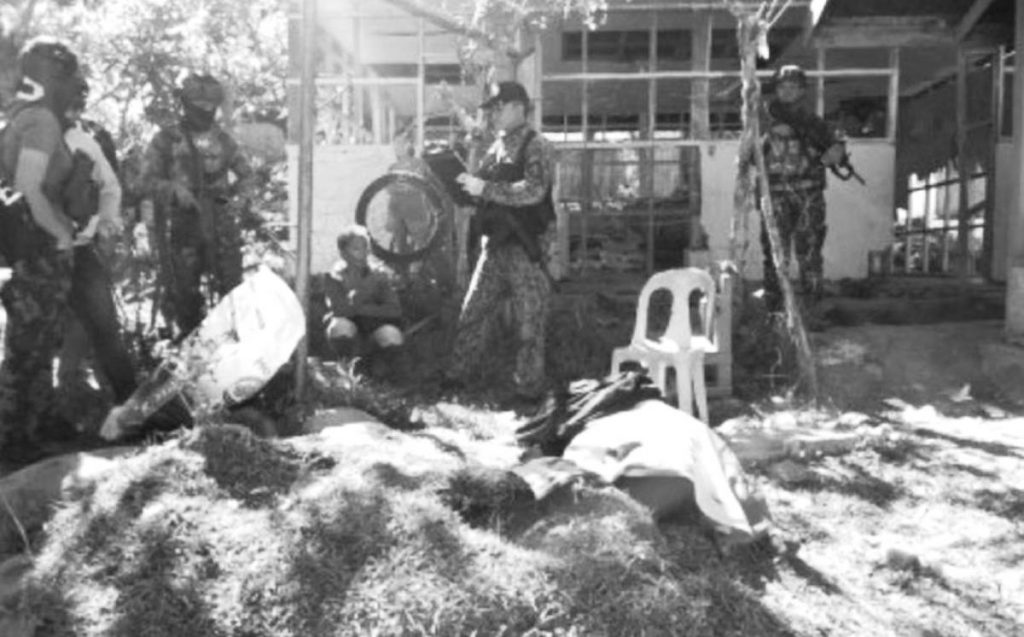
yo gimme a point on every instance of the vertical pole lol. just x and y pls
(819, 102)
(963, 169)
(421, 87)
(586, 161)
(358, 90)
(700, 116)
(988, 268)
(307, 124)
(1015, 271)
(652, 116)
(894, 94)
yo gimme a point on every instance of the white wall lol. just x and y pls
(1006, 171)
(340, 174)
(859, 218)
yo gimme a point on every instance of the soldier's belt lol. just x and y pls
(797, 185)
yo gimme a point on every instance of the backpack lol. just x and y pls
(80, 193)
(20, 237)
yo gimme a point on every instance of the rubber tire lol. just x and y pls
(436, 199)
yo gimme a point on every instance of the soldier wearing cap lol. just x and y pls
(513, 190)
(798, 145)
(200, 183)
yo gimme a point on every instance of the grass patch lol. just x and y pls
(218, 532)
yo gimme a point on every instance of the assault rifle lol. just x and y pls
(816, 134)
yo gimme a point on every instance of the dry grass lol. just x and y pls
(222, 533)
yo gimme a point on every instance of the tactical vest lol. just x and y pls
(504, 224)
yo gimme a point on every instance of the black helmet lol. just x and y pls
(202, 91)
(47, 60)
(790, 73)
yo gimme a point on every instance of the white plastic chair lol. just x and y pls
(678, 348)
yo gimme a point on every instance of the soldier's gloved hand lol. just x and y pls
(472, 185)
(834, 155)
(184, 197)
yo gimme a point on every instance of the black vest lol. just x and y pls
(504, 224)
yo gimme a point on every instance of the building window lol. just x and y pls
(725, 47)
(627, 46)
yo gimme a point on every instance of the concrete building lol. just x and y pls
(644, 109)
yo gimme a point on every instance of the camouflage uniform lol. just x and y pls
(35, 300)
(796, 179)
(205, 240)
(504, 270)
(35, 297)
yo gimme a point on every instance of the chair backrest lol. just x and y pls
(681, 283)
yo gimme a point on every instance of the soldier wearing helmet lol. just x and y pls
(199, 183)
(798, 145)
(37, 165)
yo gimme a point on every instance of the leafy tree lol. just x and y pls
(136, 51)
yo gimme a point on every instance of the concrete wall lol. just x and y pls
(340, 174)
(1006, 171)
(860, 218)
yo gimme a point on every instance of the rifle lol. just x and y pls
(816, 134)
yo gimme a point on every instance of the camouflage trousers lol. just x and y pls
(191, 257)
(504, 273)
(800, 215)
(35, 300)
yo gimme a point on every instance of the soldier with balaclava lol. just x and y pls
(200, 183)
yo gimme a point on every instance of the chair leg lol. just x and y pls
(617, 361)
(699, 388)
(684, 389)
(659, 372)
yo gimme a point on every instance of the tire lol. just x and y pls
(438, 203)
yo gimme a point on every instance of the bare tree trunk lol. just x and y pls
(751, 31)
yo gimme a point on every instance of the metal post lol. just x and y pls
(421, 87)
(652, 116)
(1015, 243)
(307, 124)
(963, 169)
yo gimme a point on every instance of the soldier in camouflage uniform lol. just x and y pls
(200, 183)
(37, 161)
(799, 145)
(513, 187)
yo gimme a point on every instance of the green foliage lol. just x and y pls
(136, 51)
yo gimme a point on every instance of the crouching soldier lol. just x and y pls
(364, 313)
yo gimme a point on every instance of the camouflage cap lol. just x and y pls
(790, 73)
(502, 92)
(202, 91)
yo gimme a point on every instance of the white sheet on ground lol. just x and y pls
(655, 439)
